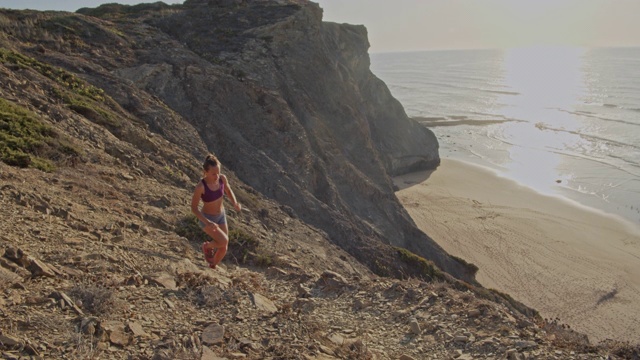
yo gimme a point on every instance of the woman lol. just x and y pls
(212, 216)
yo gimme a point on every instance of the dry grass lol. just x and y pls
(176, 354)
(96, 299)
(59, 331)
(564, 336)
(356, 350)
(251, 282)
(83, 347)
(209, 296)
(624, 350)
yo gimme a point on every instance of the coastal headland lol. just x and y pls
(106, 115)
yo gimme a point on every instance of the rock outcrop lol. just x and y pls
(289, 103)
(286, 101)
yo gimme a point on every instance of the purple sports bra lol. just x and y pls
(210, 195)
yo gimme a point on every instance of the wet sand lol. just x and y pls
(562, 259)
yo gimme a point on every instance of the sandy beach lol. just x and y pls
(562, 259)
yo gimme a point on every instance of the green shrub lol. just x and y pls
(93, 113)
(242, 245)
(115, 11)
(189, 227)
(60, 76)
(68, 24)
(26, 141)
(420, 266)
(513, 303)
(15, 158)
(263, 260)
(497, 296)
(474, 269)
(380, 269)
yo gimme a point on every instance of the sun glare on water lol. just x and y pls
(543, 83)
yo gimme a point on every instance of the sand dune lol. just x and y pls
(564, 260)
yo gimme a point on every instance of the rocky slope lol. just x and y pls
(104, 119)
(288, 102)
(92, 267)
(285, 100)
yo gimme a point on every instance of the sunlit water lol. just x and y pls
(564, 121)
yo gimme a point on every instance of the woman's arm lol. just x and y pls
(230, 194)
(195, 201)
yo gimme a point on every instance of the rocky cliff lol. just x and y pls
(289, 103)
(285, 100)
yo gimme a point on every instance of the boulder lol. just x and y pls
(213, 335)
(263, 303)
(163, 279)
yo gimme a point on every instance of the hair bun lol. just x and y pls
(210, 161)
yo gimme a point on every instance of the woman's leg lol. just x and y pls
(220, 242)
(221, 251)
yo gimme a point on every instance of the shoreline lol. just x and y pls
(559, 257)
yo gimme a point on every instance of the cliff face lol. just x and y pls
(286, 101)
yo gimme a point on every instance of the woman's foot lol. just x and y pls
(208, 254)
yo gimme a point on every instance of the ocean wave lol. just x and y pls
(582, 156)
(627, 88)
(435, 84)
(459, 120)
(502, 140)
(591, 115)
(611, 106)
(542, 126)
(626, 160)
(471, 79)
(417, 84)
(429, 118)
(583, 190)
(494, 115)
(597, 160)
(406, 88)
(503, 92)
(491, 91)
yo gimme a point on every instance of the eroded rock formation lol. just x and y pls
(285, 100)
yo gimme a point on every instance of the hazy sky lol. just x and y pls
(70, 5)
(452, 24)
(405, 25)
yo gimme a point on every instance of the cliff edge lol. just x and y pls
(286, 101)
(289, 103)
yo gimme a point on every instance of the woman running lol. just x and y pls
(213, 220)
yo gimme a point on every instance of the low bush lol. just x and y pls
(96, 299)
(60, 76)
(564, 336)
(242, 246)
(419, 266)
(189, 227)
(472, 267)
(26, 141)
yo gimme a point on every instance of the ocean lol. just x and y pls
(564, 121)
